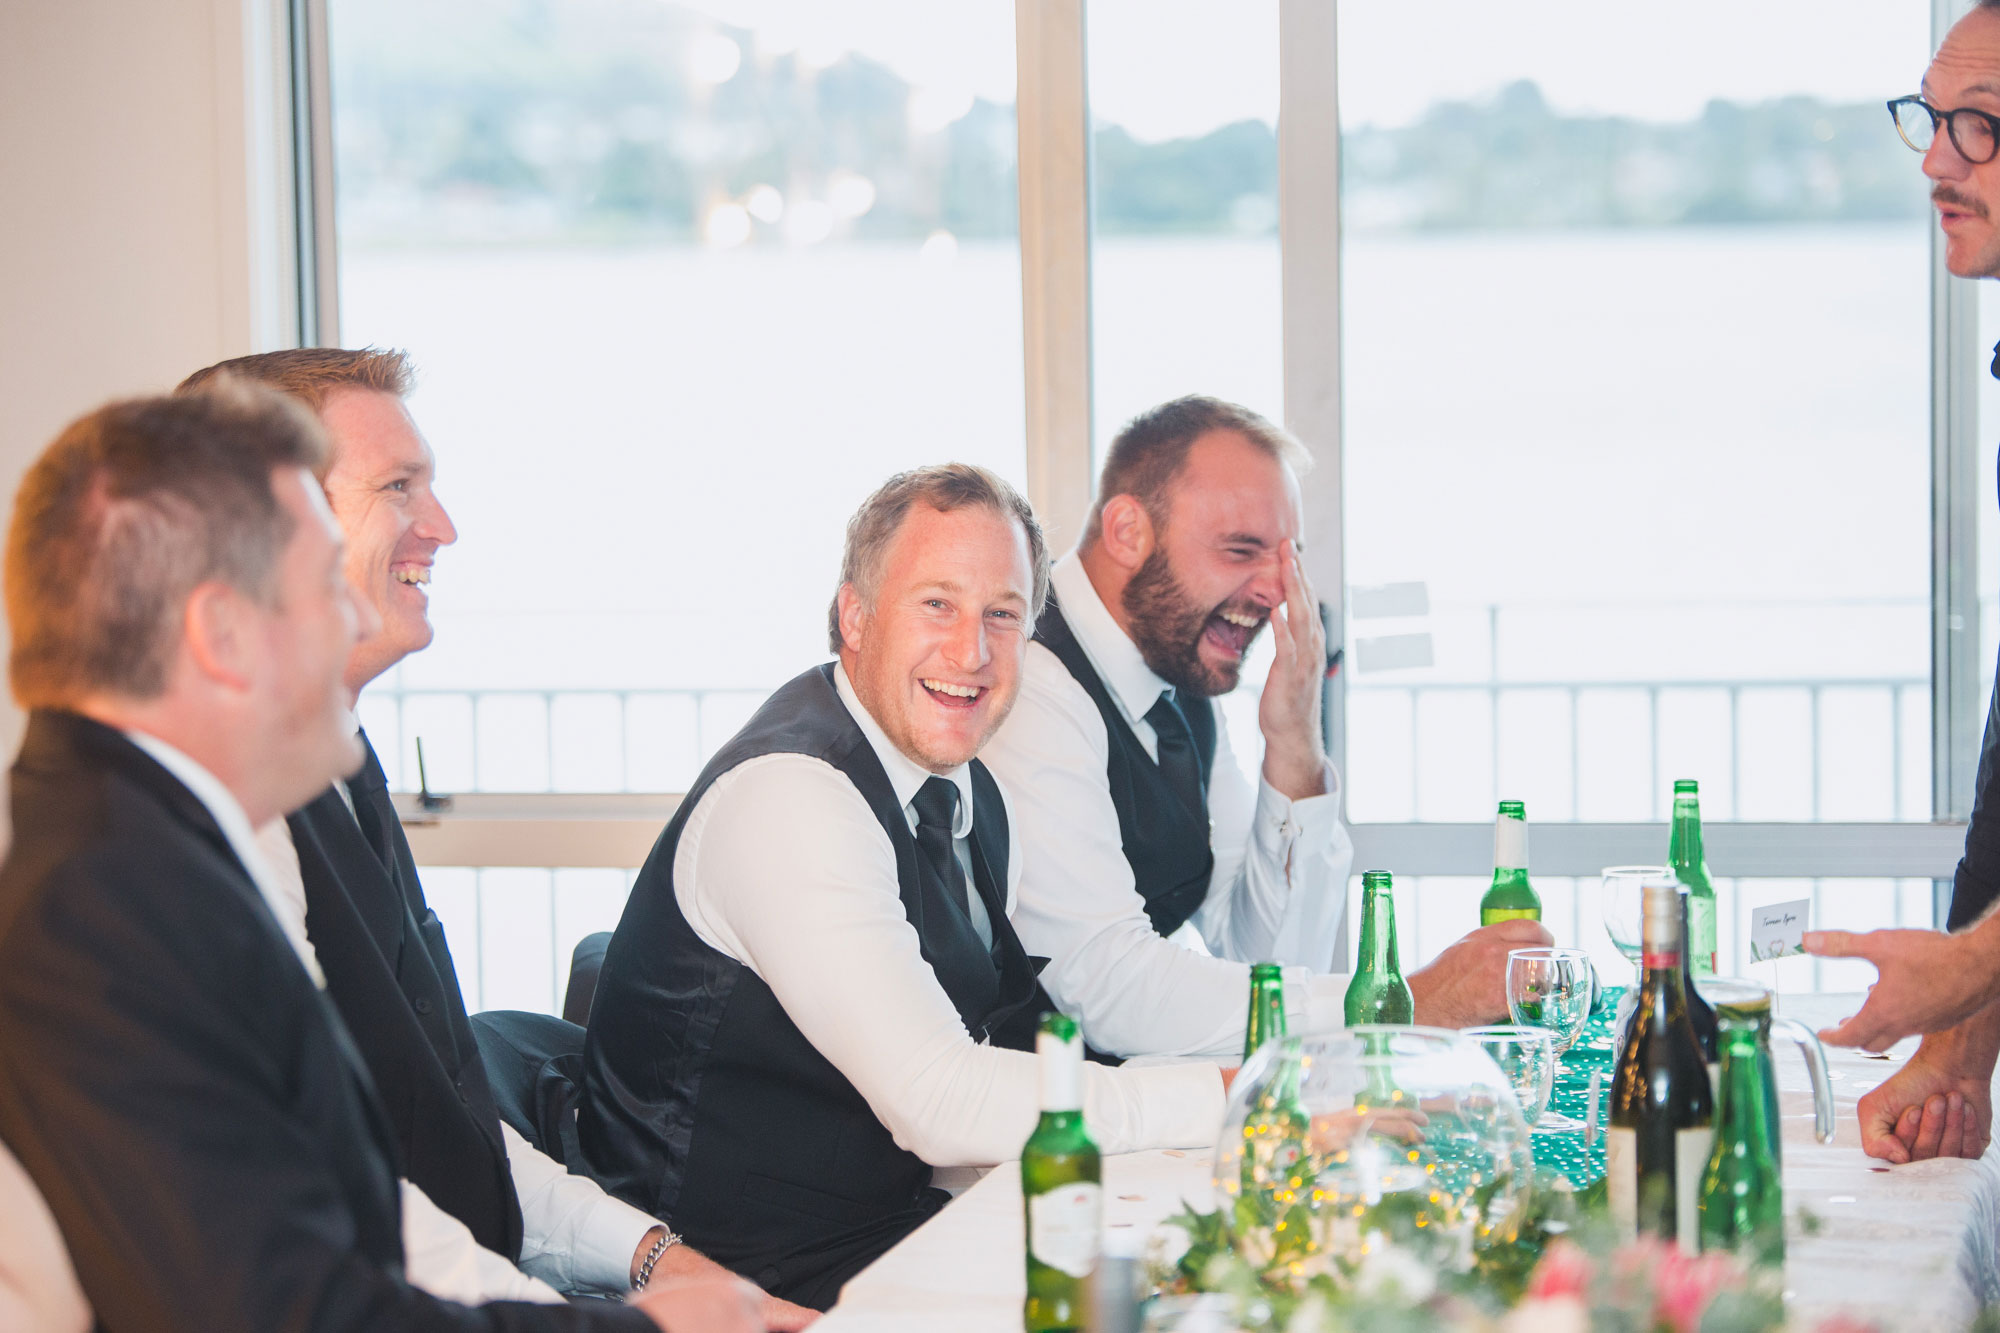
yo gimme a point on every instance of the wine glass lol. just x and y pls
(1527, 1056)
(1625, 906)
(1550, 989)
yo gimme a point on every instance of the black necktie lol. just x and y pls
(935, 803)
(372, 808)
(1179, 764)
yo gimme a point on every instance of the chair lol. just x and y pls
(584, 964)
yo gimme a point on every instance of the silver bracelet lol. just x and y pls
(668, 1239)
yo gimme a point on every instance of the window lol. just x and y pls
(1655, 459)
(1637, 393)
(1184, 188)
(684, 282)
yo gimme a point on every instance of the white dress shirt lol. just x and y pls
(574, 1236)
(783, 867)
(1278, 892)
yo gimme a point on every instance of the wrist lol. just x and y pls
(653, 1246)
(1295, 773)
(1969, 1047)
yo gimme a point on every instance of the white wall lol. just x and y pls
(143, 206)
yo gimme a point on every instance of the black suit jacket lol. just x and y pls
(390, 974)
(183, 1095)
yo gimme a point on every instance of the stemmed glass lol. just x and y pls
(1624, 904)
(1527, 1056)
(1550, 989)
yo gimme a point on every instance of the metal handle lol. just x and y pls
(1822, 1087)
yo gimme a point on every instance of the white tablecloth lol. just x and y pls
(1915, 1247)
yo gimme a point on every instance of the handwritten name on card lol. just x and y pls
(1778, 930)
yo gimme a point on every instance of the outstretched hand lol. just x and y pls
(1928, 981)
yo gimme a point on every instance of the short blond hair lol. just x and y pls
(127, 512)
(943, 487)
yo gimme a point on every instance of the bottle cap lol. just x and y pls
(1686, 787)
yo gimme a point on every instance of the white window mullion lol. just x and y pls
(1053, 110)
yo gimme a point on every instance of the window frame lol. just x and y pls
(1052, 109)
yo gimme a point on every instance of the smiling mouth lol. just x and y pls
(1232, 631)
(952, 695)
(416, 576)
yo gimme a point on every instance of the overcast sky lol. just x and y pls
(1166, 68)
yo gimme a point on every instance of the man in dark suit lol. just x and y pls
(388, 968)
(175, 1084)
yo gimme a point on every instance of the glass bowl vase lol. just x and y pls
(1338, 1144)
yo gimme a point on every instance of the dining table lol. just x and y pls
(1911, 1247)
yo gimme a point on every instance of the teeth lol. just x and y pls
(958, 691)
(413, 576)
(1238, 618)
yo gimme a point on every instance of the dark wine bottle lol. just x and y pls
(1662, 1118)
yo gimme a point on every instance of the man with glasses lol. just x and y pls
(1946, 986)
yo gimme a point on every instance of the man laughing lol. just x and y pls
(1154, 871)
(798, 1017)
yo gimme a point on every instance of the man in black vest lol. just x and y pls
(1155, 873)
(1940, 1104)
(798, 1015)
(381, 948)
(180, 1091)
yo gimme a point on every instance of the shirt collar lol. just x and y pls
(906, 775)
(1119, 663)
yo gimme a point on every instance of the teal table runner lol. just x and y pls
(1565, 1154)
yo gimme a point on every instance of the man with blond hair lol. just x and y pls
(803, 1014)
(351, 883)
(171, 1075)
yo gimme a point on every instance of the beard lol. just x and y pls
(1168, 627)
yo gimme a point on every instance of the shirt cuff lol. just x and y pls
(1282, 821)
(1315, 1002)
(606, 1241)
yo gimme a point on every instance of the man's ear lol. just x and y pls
(216, 633)
(853, 617)
(1125, 531)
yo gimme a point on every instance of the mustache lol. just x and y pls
(1944, 194)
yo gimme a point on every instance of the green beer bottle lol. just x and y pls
(1061, 1186)
(1267, 1007)
(1690, 866)
(1277, 1127)
(1378, 993)
(1742, 1194)
(1511, 898)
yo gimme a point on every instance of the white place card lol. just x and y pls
(1778, 930)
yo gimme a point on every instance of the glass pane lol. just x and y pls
(1184, 250)
(1636, 376)
(684, 282)
(513, 930)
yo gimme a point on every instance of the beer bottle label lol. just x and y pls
(1064, 1224)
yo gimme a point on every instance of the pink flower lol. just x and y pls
(1565, 1270)
(1683, 1285)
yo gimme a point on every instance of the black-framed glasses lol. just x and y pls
(1974, 133)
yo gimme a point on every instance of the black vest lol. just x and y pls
(1166, 843)
(390, 974)
(704, 1104)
